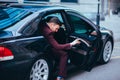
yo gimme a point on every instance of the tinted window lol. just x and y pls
(32, 28)
(79, 25)
(56, 15)
(14, 16)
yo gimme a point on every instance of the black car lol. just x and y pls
(25, 53)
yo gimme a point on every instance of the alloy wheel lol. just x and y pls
(107, 51)
(40, 70)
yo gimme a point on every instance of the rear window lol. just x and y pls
(11, 15)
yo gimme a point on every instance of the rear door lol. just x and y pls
(83, 54)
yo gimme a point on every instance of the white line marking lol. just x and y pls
(117, 47)
(115, 57)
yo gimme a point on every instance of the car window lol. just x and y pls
(32, 28)
(14, 15)
(79, 25)
(57, 15)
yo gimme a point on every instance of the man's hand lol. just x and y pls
(94, 33)
(75, 42)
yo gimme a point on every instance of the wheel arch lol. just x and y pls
(48, 58)
(103, 44)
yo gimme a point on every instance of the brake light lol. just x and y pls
(5, 54)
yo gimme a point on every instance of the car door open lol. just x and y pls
(84, 53)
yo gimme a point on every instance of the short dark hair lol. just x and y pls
(54, 20)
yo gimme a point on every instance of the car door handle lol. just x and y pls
(84, 41)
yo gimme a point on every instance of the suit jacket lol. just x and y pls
(49, 35)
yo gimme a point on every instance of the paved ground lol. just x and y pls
(112, 22)
(110, 71)
(116, 50)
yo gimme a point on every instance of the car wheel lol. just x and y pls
(41, 70)
(106, 53)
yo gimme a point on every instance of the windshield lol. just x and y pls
(11, 16)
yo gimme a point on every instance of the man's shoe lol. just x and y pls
(60, 78)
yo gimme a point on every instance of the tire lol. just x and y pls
(41, 69)
(106, 52)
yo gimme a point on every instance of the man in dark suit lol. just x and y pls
(50, 27)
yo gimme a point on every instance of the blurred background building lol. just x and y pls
(78, 4)
(115, 4)
(88, 7)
